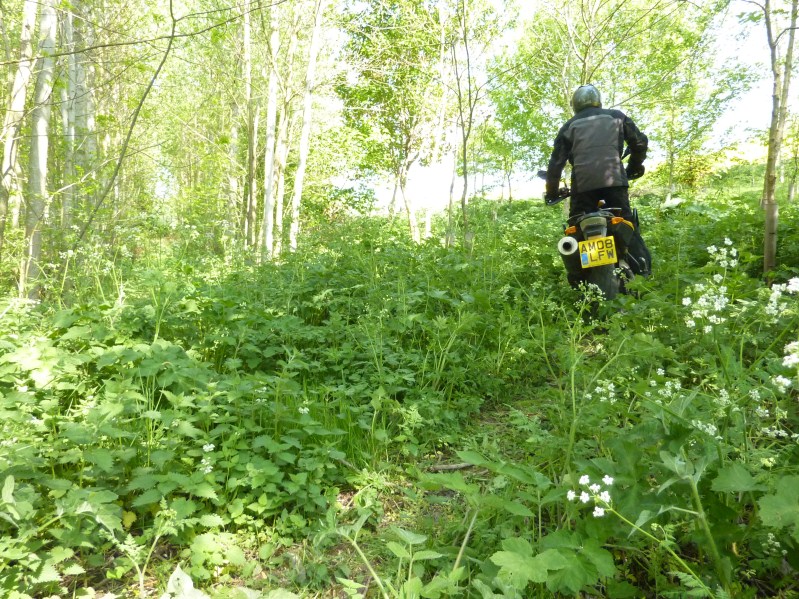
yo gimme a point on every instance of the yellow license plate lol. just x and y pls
(596, 252)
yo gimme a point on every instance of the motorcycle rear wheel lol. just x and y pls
(605, 278)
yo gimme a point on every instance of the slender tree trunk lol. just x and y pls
(413, 224)
(9, 183)
(285, 128)
(250, 103)
(269, 152)
(305, 135)
(233, 199)
(670, 183)
(68, 124)
(37, 181)
(85, 157)
(451, 204)
(252, 207)
(467, 97)
(282, 153)
(781, 86)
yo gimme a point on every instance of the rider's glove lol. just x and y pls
(634, 171)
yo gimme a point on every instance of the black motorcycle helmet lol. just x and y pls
(585, 96)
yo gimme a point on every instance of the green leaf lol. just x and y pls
(410, 538)
(782, 508)
(283, 594)
(102, 458)
(601, 558)
(411, 588)
(148, 497)
(236, 556)
(204, 490)
(573, 577)
(518, 545)
(398, 550)
(518, 569)
(187, 429)
(517, 509)
(183, 507)
(425, 554)
(474, 458)
(8, 490)
(211, 520)
(60, 554)
(449, 480)
(735, 478)
(147, 481)
(47, 573)
(73, 570)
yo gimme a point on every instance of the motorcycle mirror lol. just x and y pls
(542, 174)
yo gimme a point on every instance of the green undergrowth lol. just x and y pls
(370, 417)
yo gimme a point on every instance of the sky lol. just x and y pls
(746, 45)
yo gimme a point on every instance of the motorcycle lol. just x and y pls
(601, 248)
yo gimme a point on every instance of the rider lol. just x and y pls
(593, 141)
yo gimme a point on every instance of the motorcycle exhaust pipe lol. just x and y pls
(567, 248)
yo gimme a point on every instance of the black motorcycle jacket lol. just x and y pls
(593, 141)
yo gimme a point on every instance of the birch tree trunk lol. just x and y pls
(9, 180)
(284, 132)
(305, 135)
(781, 73)
(233, 199)
(68, 123)
(250, 103)
(269, 152)
(281, 158)
(37, 182)
(85, 156)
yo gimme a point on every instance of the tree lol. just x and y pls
(37, 201)
(9, 174)
(477, 24)
(307, 116)
(393, 92)
(780, 36)
(636, 52)
(268, 241)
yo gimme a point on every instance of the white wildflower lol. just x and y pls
(599, 512)
(608, 480)
(782, 383)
